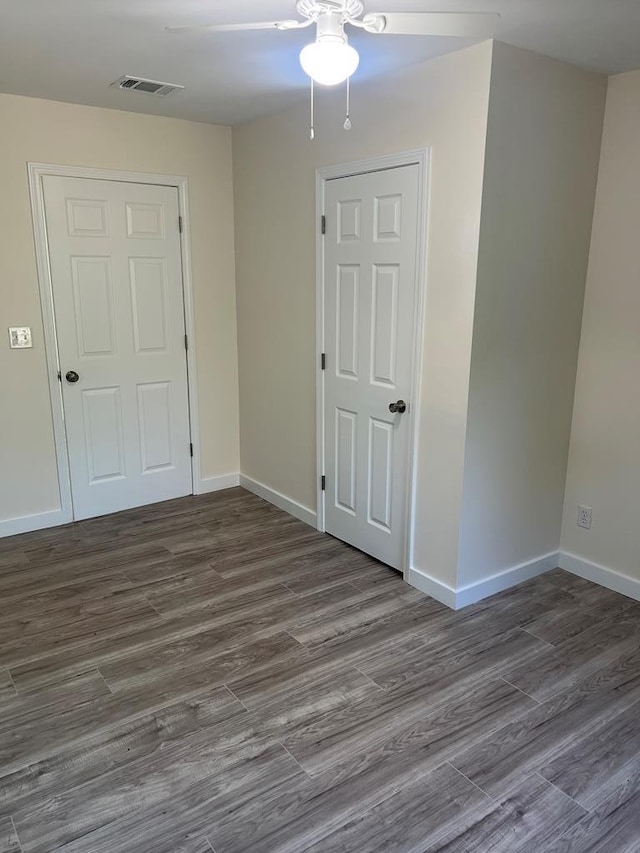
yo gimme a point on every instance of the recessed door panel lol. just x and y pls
(388, 218)
(149, 303)
(384, 324)
(154, 417)
(94, 309)
(145, 221)
(87, 217)
(349, 214)
(346, 460)
(380, 473)
(347, 321)
(104, 437)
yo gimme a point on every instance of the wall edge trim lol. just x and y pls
(469, 594)
(283, 502)
(36, 521)
(509, 577)
(602, 575)
(442, 592)
(217, 483)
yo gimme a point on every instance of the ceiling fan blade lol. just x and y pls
(228, 28)
(456, 24)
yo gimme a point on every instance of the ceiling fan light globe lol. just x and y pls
(329, 62)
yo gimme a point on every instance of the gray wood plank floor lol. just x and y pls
(210, 674)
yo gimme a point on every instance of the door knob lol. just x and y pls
(400, 407)
(71, 376)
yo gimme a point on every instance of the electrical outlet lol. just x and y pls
(584, 517)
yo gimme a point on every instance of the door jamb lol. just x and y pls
(421, 158)
(36, 171)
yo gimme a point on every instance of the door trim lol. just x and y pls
(421, 158)
(36, 171)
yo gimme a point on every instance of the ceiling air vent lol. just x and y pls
(150, 87)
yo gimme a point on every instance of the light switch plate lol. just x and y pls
(20, 337)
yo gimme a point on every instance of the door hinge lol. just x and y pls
(186, 342)
(323, 224)
(323, 483)
(180, 224)
(323, 361)
(191, 449)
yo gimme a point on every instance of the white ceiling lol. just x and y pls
(71, 50)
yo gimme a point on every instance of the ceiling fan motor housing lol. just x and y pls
(330, 27)
(317, 9)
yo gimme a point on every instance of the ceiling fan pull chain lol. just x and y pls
(312, 134)
(347, 122)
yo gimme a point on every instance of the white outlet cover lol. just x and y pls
(584, 517)
(20, 337)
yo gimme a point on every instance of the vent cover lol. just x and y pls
(149, 87)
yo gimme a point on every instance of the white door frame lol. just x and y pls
(421, 158)
(36, 172)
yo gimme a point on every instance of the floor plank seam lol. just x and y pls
(299, 642)
(109, 687)
(15, 832)
(368, 677)
(306, 772)
(564, 793)
(154, 608)
(531, 634)
(519, 689)
(15, 687)
(236, 697)
(284, 586)
(482, 791)
(128, 580)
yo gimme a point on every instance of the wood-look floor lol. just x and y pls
(211, 674)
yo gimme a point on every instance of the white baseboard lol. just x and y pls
(602, 575)
(28, 523)
(281, 501)
(56, 517)
(216, 484)
(430, 586)
(465, 595)
(503, 580)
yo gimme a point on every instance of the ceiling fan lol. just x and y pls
(331, 59)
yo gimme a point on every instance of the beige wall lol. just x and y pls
(543, 143)
(50, 132)
(442, 104)
(604, 459)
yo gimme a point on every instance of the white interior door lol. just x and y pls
(116, 272)
(370, 305)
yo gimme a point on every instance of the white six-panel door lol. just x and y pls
(116, 272)
(370, 302)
